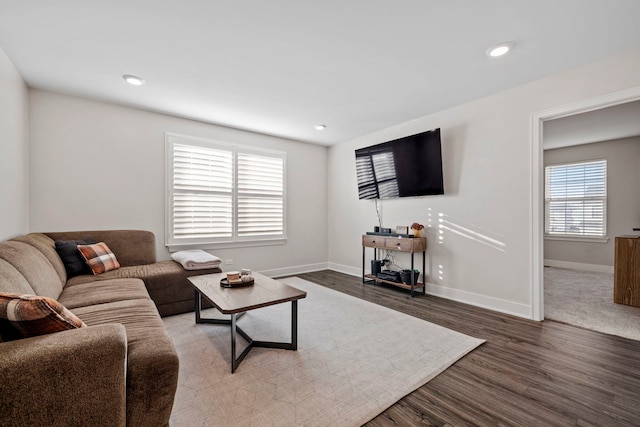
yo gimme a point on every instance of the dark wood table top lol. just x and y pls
(264, 292)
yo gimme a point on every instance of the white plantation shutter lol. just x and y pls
(260, 195)
(202, 192)
(576, 199)
(221, 193)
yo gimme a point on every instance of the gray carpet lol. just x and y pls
(585, 299)
(354, 360)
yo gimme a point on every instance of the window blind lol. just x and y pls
(576, 199)
(223, 193)
(260, 195)
(202, 192)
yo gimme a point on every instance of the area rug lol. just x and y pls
(354, 360)
(585, 299)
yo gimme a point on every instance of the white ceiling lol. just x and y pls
(281, 66)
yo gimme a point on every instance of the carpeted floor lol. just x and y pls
(585, 299)
(354, 360)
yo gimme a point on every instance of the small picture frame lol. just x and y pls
(402, 229)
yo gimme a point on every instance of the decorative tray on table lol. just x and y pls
(225, 283)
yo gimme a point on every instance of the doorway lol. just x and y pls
(537, 179)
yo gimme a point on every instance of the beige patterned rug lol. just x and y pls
(354, 360)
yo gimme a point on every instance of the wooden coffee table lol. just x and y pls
(237, 301)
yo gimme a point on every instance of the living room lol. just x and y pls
(71, 162)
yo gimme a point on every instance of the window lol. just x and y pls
(576, 199)
(223, 194)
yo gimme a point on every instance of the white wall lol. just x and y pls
(14, 154)
(604, 124)
(100, 166)
(479, 233)
(623, 200)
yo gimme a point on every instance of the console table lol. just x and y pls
(399, 244)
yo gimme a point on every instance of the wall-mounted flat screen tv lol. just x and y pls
(405, 167)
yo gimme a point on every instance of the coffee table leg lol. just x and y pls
(234, 362)
(294, 325)
(198, 304)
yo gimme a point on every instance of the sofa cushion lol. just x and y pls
(74, 263)
(152, 362)
(99, 257)
(157, 277)
(24, 316)
(101, 292)
(34, 266)
(12, 281)
(166, 282)
(132, 247)
(46, 246)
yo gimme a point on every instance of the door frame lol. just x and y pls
(537, 180)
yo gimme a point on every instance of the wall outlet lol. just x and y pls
(228, 261)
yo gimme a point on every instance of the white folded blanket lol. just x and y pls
(196, 259)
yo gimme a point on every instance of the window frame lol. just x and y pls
(234, 241)
(571, 236)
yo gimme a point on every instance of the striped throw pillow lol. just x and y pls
(24, 316)
(99, 257)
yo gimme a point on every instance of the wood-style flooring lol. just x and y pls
(527, 373)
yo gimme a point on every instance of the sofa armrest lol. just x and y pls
(75, 377)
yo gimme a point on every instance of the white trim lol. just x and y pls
(207, 142)
(233, 241)
(490, 303)
(566, 238)
(346, 269)
(483, 301)
(292, 271)
(597, 268)
(537, 219)
(537, 165)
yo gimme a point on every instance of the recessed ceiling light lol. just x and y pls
(133, 80)
(499, 50)
(320, 127)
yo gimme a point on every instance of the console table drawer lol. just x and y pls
(403, 245)
(373, 241)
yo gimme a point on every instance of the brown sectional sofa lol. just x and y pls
(120, 370)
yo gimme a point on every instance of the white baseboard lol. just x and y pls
(298, 269)
(346, 269)
(579, 266)
(490, 303)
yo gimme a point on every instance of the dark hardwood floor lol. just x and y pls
(526, 373)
